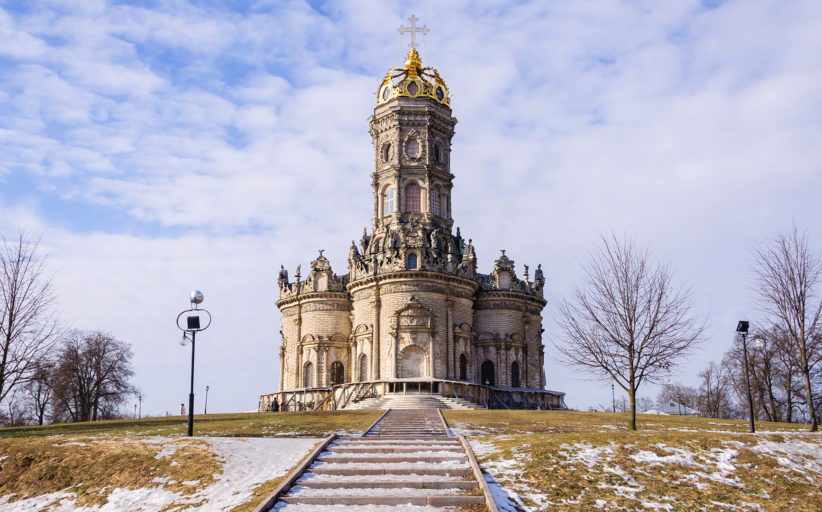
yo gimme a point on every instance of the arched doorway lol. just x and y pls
(412, 363)
(363, 368)
(487, 374)
(336, 374)
(308, 375)
(463, 367)
(515, 374)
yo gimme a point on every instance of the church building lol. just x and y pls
(411, 313)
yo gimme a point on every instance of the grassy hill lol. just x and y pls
(583, 461)
(544, 460)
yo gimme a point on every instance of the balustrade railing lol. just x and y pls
(342, 395)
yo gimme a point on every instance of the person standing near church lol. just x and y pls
(183, 409)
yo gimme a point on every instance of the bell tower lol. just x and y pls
(411, 129)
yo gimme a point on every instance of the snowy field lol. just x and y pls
(747, 473)
(245, 462)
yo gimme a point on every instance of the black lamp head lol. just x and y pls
(742, 327)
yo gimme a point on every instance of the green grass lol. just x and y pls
(311, 424)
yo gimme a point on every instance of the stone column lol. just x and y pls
(396, 342)
(449, 340)
(400, 194)
(524, 364)
(375, 344)
(282, 366)
(498, 364)
(323, 381)
(430, 355)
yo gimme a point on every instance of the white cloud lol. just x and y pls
(696, 128)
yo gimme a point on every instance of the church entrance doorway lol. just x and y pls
(515, 383)
(487, 373)
(412, 363)
(336, 374)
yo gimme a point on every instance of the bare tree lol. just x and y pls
(787, 274)
(628, 322)
(715, 392)
(28, 324)
(39, 390)
(91, 379)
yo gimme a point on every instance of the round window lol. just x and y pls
(412, 148)
(386, 91)
(413, 88)
(440, 93)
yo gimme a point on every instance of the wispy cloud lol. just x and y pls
(180, 144)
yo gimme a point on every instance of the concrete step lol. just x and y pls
(398, 501)
(405, 462)
(340, 469)
(411, 482)
(384, 458)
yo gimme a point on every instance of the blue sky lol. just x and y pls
(161, 146)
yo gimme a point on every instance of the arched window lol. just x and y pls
(336, 374)
(487, 373)
(435, 201)
(412, 197)
(412, 261)
(388, 201)
(412, 148)
(445, 211)
(463, 367)
(363, 368)
(515, 374)
(308, 375)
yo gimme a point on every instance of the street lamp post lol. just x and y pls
(679, 402)
(613, 398)
(195, 318)
(742, 329)
(140, 399)
(205, 409)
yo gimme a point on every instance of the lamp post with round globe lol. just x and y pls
(194, 320)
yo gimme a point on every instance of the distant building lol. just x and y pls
(672, 408)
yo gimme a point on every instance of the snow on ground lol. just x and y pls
(695, 467)
(248, 462)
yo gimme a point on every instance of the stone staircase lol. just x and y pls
(413, 401)
(404, 462)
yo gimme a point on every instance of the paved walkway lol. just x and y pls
(406, 461)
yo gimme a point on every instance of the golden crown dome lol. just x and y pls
(413, 81)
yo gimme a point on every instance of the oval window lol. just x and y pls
(412, 148)
(386, 92)
(440, 93)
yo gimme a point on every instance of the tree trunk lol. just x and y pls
(632, 397)
(811, 409)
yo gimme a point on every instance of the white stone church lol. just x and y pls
(412, 314)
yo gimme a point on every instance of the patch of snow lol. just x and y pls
(247, 462)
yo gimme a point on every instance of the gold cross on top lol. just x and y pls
(413, 29)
